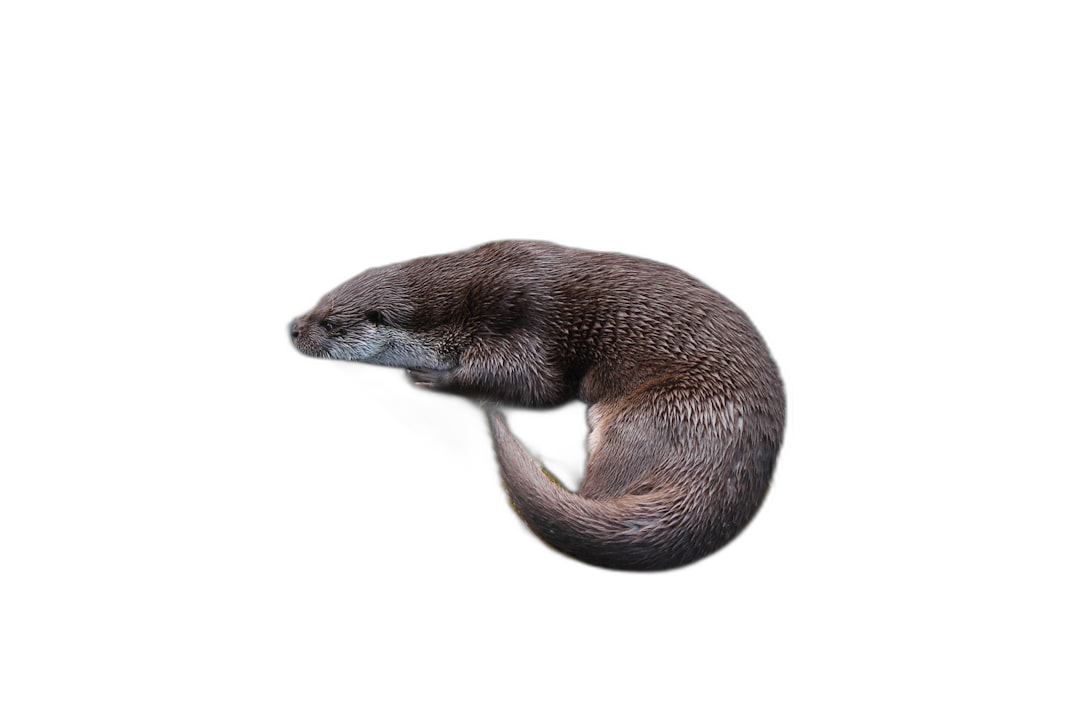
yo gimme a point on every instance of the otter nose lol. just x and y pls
(294, 329)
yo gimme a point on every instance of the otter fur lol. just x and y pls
(685, 404)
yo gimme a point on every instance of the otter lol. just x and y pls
(686, 407)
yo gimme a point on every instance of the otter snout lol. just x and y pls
(296, 334)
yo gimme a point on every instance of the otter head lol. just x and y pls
(373, 318)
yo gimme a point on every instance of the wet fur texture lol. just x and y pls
(686, 406)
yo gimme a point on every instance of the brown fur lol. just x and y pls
(686, 406)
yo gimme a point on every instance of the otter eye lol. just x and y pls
(374, 317)
(327, 325)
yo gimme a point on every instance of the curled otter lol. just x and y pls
(686, 407)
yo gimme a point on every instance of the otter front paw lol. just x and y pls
(430, 378)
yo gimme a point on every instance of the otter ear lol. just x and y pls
(374, 317)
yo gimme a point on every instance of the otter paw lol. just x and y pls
(429, 378)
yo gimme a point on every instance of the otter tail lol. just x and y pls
(650, 531)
